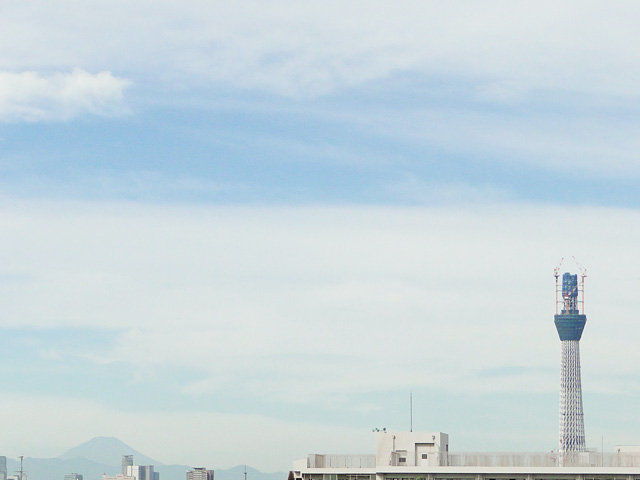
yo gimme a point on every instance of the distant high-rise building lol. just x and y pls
(127, 461)
(119, 476)
(73, 476)
(200, 474)
(3, 468)
(143, 472)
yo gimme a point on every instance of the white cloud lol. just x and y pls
(337, 303)
(238, 293)
(315, 47)
(572, 67)
(583, 143)
(413, 189)
(30, 96)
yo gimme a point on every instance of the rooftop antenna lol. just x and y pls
(411, 410)
(21, 469)
(245, 472)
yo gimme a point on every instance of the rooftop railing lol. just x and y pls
(341, 461)
(482, 459)
(551, 459)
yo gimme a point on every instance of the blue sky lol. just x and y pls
(262, 225)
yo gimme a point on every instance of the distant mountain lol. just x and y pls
(102, 455)
(106, 451)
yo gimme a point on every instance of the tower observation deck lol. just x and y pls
(570, 321)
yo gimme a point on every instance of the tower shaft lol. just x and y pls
(571, 413)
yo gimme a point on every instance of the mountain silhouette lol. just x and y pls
(106, 451)
(102, 455)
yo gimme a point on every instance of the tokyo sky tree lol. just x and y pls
(570, 321)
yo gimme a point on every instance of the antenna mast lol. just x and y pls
(556, 273)
(411, 410)
(583, 275)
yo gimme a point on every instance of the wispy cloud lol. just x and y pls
(198, 315)
(317, 47)
(229, 291)
(419, 191)
(32, 97)
(311, 309)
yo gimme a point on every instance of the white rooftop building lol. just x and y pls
(426, 456)
(200, 473)
(134, 472)
(142, 472)
(119, 476)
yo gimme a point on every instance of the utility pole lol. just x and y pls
(411, 410)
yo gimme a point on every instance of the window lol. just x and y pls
(424, 456)
(402, 460)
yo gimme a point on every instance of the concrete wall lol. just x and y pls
(410, 448)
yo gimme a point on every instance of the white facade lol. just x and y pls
(627, 448)
(426, 456)
(135, 472)
(410, 449)
(142, 472)
(200, 473)
(117, 477)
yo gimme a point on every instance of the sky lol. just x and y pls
(243, 232)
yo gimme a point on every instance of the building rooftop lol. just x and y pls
(426, 456)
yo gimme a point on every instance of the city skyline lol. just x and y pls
(263, 228)
(98, 459)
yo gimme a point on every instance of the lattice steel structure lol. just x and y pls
(570, 321)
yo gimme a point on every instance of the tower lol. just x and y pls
(570, 321)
